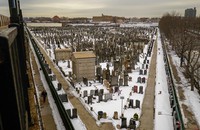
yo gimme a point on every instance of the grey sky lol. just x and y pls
(89, 8)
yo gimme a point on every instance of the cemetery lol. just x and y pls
(107, 68)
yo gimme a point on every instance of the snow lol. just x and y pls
(163, 112)
(192, 99)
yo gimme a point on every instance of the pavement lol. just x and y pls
(147, 116)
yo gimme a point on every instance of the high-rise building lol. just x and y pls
(190, 13)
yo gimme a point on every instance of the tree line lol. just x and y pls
(183, 35)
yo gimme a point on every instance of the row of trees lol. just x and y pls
(184, 37)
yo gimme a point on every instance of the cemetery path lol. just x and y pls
(147, 116)
(84, 115)
(46, 113)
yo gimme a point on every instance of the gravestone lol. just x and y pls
(147, 66)
(114, 81)
(104, 115)
(98, 78)
(135, 89)
(147, 61)
(143, 80)
(69, 112)
(137, 102)
(70, 74)
(104, 74)
(101, 92)
(141, 89)
(130, 103)
(108, 96)
(59, 86)
(85, 93)
(100, 98)
(101, 80)
(53, 77)
(125, 80)
(116, 65)
(141, 72)
(145, 72)
(132, 124)
(85, 81)
(74, 113)
(63, 97)
(90, 99)
(96, 92)
(139, 79)
(68, 64)
(115, 116)
(143, 66)
(98, 70)
(123, 123)
(49, 71)
(120, 82)
(100, 114)
(116, 89)
(92, 92)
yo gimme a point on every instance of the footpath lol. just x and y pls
(147, 116)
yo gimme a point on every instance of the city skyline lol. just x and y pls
(89, 8)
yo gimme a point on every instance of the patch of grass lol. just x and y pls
(181, 93)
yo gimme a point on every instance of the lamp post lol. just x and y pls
(122, 97)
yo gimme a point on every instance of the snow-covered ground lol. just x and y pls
(163, 118)
(192, 98)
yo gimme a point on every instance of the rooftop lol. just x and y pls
(83, 54)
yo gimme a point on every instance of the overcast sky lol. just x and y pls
(89, 8)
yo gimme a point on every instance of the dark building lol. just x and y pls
(190, 13)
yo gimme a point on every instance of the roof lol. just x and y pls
(83, 54)
(64, 49)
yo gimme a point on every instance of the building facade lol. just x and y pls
(190, 13)
(83, 64)
(63, 54)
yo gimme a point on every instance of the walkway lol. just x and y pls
(84, 115)
(147, 116)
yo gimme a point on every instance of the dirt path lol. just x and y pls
(147, 116)
(84, 115)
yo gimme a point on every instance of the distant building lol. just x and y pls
(107, 18)
(190, 13)
(56, 19)
(83, 64)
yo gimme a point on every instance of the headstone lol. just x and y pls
(135, 89)
(147, 61)
(141, 72)
(141, 89)
(85, 81)
(98, 70)
(145, 72)
(85, 93)
(59, 86)
(123, 123)
(74, 113)
(143, 80)
(108, 96)
(101, 80)
(143, 66)
(100, 98)
(120, 82)
(115, 116)
(139, 79)
(130, 103)
(135, 116)
(137, 103)
(96, 92)
(126, 80)
(92, 92)
(104, 74)
(70, 74)
(132, 124)
(100, 114)
(68, 64)
(101, 92)
(147, 66)
(63, 97)
(49, 71)
(114, 81)
(116, 65)
(51, 78)
(116, 89)
(69, 112)
(90, 99)
(104, 115)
